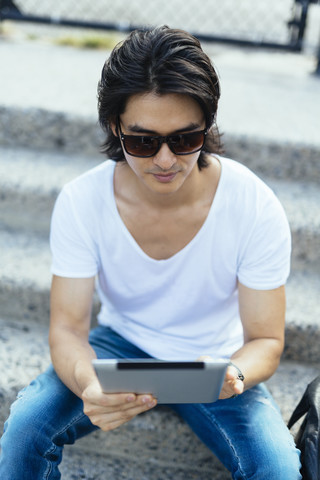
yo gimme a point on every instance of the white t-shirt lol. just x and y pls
(187, 305)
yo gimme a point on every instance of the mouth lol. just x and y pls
(165, 177)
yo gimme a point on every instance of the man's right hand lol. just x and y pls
(109, 411)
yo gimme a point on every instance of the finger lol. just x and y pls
(112, 403)
(129, 414)
(118, 399)
(95, 396)
(126, 400)
(231, 388)
(133, 401)
(146, 399)
(238, 387)
(128, 411)
(111, 420)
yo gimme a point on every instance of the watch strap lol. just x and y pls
(240, 374)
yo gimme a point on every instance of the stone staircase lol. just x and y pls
(33, 168)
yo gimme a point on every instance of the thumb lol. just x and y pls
(231, 373)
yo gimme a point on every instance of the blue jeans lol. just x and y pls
(246, 433)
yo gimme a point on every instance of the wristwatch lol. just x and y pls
(240, 376)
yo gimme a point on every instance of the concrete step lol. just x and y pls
(25, 283)
(25, 277)
(155, 445)
(31, 179)
(301, 201)
(49, 130)
(303, 317)
(284, 160)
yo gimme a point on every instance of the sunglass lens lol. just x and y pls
(187, 143)
(141, 146)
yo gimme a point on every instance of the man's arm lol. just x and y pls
(262, 314)
(71, 354)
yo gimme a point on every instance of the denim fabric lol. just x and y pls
(247, 433)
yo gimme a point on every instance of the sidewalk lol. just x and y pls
(265, 94)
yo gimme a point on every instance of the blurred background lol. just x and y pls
(287, 23)
(259, 44)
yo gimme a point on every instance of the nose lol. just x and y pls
(165, 158)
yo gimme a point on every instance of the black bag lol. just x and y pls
(308, 436)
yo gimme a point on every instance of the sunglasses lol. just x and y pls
(148, 146)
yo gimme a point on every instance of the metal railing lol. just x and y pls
(265, 24)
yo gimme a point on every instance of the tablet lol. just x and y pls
(169, 382)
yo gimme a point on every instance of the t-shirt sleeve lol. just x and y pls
(74, 253)
(265, 258)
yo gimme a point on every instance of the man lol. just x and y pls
(191, 251)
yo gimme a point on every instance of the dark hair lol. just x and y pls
(161, 60)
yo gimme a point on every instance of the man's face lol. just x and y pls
(163, 115)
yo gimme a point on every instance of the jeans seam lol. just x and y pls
(212, 418)
(53, 448)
